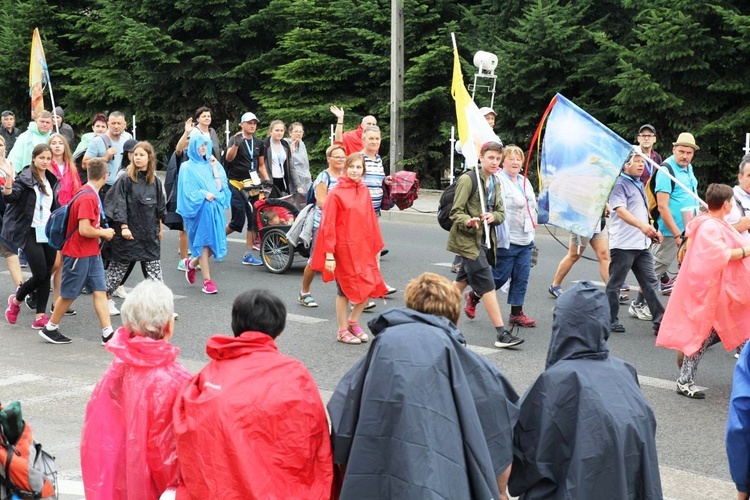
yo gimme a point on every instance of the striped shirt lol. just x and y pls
(325, 178)
(374, 179)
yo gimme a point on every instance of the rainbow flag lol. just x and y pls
(38, 74)
(473, 129)
(580, 162)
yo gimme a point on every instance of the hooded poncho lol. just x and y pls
(421, 416)
(128, 448)
(349, 229)
(585, 431)
(204, 220)
(251, 425)
(710, 291)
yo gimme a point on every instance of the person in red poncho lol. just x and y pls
(128, 449)
(347, 247)
(251, 424)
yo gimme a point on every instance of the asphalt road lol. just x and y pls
(54, 382)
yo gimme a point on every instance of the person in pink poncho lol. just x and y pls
(712, 293)
(128, 448)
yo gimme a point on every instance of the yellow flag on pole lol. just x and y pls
(38, 74)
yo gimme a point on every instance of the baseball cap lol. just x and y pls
(7, 112)
(129, 146)
(486, 110)
(647, 126)
(249, 117)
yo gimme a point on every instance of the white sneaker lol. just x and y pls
(113, 311)
(640, 311)
(120, 292)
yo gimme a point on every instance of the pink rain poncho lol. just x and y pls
(128, 448)
(710, 291)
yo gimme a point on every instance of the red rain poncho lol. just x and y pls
(127, 446)
(349, 229)
(710, 291)
(251, 425)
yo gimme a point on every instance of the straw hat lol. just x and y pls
(686, 139)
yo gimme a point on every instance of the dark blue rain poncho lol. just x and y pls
(421, 416)
(204, 220)
(738, 424)
(585, 431)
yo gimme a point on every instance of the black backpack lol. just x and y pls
(78, 158)
(445, 205)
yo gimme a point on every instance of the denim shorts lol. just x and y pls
(79, 272)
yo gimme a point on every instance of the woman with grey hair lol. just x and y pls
(128, 448)
(300, 166)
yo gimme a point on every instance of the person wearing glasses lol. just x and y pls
(646, 140)
(300, 171)
(324, 183)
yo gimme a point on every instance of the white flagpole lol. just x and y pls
(227, 132)
(134, 127)
(453, 152)
(52, 98)
(665, 171)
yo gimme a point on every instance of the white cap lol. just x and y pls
(485, 111)
(248, 117)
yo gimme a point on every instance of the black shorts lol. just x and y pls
(241, 210)
(477, 273)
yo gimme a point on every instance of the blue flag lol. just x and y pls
(581, 159)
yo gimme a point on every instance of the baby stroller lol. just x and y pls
(275, 216)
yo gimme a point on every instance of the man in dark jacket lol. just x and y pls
(585, 429)
(422, 416)
(9, 131)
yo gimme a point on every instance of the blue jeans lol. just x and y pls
(513, 263)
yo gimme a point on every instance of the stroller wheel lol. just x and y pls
(276, 252)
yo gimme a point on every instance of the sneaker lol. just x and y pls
(209, 287)
(690, 390)
(250, 260)
(181, 265)
(370, 305)
(30, 301)
(69, 312)
(256, 247)
(39, 322)
(471, 305)
(384, 252)
(11, 313)
(623, 297)
(120, 292)
(113, 311)
(521, 320)
(616, 327)
(455, 268)
(107, 338)
(639, 311)
(175, 316)
(507, 339)
(666, 288)
(307, 300)
(189, 273)
(625, 288)
(555, 291)
(53, 336)
(390, 290)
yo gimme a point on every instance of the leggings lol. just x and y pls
(41, 258)
(690, 363)
(118, 272)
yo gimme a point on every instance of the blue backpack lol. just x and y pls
(310, 199)
(56, 229)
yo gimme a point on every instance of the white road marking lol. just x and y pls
(307, 320)
(58, 396)
(443, 264)
(484, 351)
(67, 487)
(633, 288)
(20, 379)
(236, 240)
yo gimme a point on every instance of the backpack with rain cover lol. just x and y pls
(26, 471)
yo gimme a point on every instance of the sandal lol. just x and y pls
(347, 337)
(355, 329)
(307, 300)
(555, 291)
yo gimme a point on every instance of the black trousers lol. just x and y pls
(41, 258)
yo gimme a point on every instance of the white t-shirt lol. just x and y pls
(43, 205)
(734, 216)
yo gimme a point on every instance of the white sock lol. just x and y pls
(52, 326)
(107, 331)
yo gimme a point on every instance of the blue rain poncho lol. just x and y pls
(204, 220)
